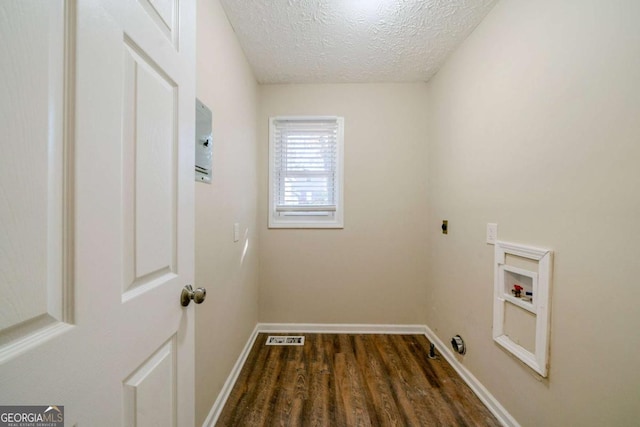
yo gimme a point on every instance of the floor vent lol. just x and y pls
(285, 340)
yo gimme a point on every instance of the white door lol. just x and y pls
(96, 208)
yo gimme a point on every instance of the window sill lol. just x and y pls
(299, 225)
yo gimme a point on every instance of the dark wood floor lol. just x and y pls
(351, 380)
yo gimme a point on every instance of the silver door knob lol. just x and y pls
(189, 294)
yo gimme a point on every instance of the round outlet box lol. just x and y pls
(458, 344)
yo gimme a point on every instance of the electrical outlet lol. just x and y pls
(492, 233)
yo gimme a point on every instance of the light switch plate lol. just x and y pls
(492, 233)
(236, 232)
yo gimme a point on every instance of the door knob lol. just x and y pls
(189, 294)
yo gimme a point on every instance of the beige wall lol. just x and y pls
(534, 123)
(224, 322)
(373, 270)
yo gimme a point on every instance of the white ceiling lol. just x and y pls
(332, 41)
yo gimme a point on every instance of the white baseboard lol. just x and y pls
(329, 328)
(339, 328)
(218, 405)
(476, 386)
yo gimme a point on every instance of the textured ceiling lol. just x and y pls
(331, 41)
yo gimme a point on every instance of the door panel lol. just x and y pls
(163, 13)
(33, 228)
(155, 146)
(150, 154)
(143, 405)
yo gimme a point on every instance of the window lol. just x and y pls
(305, 172)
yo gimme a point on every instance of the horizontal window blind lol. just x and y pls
(305, 165)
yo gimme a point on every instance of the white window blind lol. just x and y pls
(306, 167)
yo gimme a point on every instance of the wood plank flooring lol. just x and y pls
(351, 380)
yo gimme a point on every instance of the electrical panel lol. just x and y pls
(204, 143)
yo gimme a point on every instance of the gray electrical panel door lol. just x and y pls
(204, 143)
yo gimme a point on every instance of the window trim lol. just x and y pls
(308, 220)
